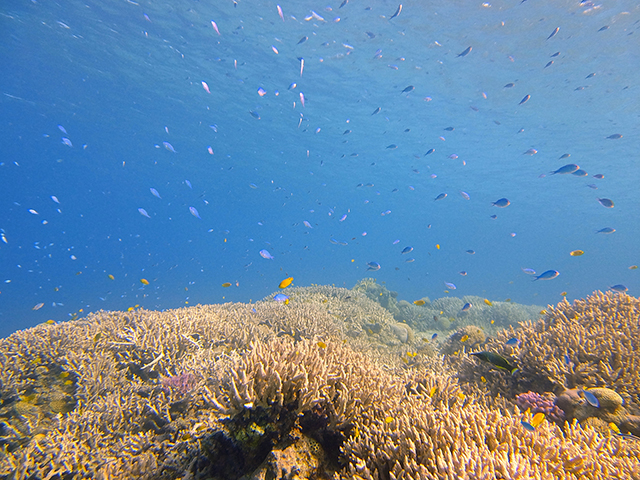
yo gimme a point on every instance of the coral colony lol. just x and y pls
(334, 383)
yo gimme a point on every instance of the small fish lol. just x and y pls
(531, 151)
(188, 183)
(463, 273)
(67, 142)
(408, 89)
(501, 203)
(599, 176)
(206, 87)
(226, 284)
(590, 398)
(576, 253)
(286, 282)
(450, 285)
(619, 288)
(465, 52)
(307, 224)
(615, 136)
(528, 271)
(111, 277)
(465, 195)
(281, 298)
(410, 260)
(606, 230)
(580, 173)
(527, 426)
(470, 252)
(440, 197)
(548, 275)
(488, 302)
(512, 341)
(614, 428)
(266, 254)
(143, 212)
(633, 267)
(169, 147)
(144, 281)
(377, 110)
(430, 151)
(525, 99)
(280, 12)
(194, 212)
(373, 266)
(407, 250)
(393, 146)
(215, 27)
(419, 302)
(553, 34)
(434, 336)
(155, 193)
(496, 360)
(322, 345)
(605, 202)
(537, 419)
(397, 12)
(569, 168)
(466, 307)
(38, 306)
(302, 40)
(55, 199)
(464, 338)
(33, 212)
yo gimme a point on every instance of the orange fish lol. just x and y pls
(286, 282)
(144, 281)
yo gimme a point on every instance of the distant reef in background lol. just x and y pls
(327, 382)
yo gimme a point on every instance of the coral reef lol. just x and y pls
(329, 385)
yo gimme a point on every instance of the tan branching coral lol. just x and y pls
(225, 391)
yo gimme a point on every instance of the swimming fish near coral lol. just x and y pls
(466, 307)
(281, 298)
(527, 426)
(512, 341)
(548, 275)
(590, 398)
(373, 266)
(488, 302)
(496, 360)
(537, 419)
(419, 302)
(286, 282)
(619, 288)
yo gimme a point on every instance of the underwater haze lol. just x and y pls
(155, 152)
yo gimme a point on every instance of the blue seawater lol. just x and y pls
(90, 92)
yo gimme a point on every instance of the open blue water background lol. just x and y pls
(122, 77)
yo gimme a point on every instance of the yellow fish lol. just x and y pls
(633, 267)
(438, 246)
(464, 338)
(388, 420)
(576, 253)
(419, 302)
(615, 428)
(492, 322)
(111, 277)
(321, 344)
(543, 312)
(38, 306)
(483, 380)
(432, 391)
(564, 294)
(226, 284)
(144, 281)
(538, 418)
(488, 302)
(286, 282)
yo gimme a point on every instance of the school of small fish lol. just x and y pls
(347, 177)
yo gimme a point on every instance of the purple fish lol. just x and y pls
(194, 212)
(266, 254)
